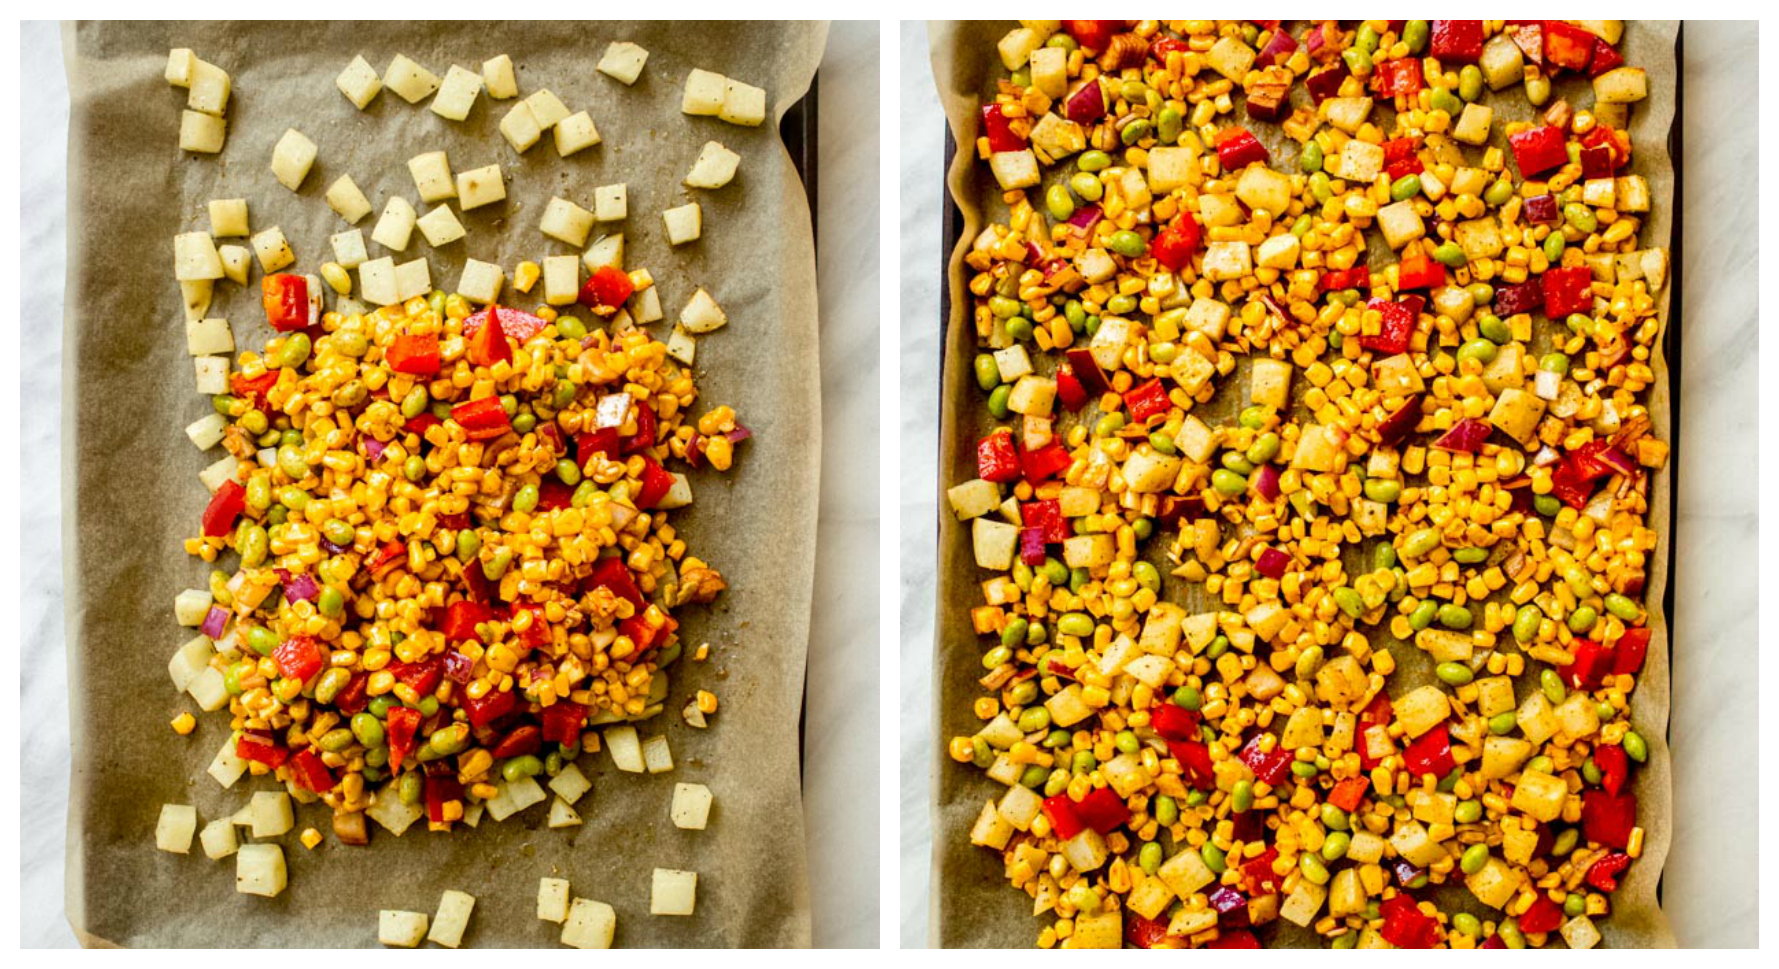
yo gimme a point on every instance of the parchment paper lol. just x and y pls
(973, 904)
(130, 395)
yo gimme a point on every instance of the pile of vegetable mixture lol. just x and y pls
(1439, 445)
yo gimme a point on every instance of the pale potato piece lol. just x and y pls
(206, 431)
(571, 785)
(376, 281)
(292, 158)
(520, 128)
(714, 168)
(218, 839)
(271, 814)
(589, 925)
(566, 221)
(348, 248)
(452, 918)
(482, 186)
(210, 87)
(623, 61)
(685, 223)
(196, 293)
(562, 815)
(194, 257)
(457, 94)
(272, 249)
(681, 346)
(674, 892)
(481, 281)
(607, 251)
(562, 280)
(395, 228)
(412, 278)
(743, 104)
(440, 226)
(177, 825)
(704, 93)
(209, 336)
(547, 108)
(401, 930)
(611, 202)
(228, 217)
(645, 305)
(497, 73)
(202, 133)
(432, 176)
(409, 80)
(656, 756)
(212, 376)
(181, 62)
(259, 870)
(345, 198)
(226, 767)
(359, 82)
(702, 314)
(691, 806)
(574, 133)
(552, 899)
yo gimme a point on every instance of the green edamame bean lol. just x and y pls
(1320, 187)
(1500, 192)
(999, 400)
(1384, 557)
(1308, 662)
(1474, 858)
(1423, 615)
(450, 740)
(414, 468)
(1056, 783)
(1623, 607)
(331, 602)
(368, 729)
(1093, 160)
(1056, 573)
(1264, 449)
(1120, 305)
(1510, 929)
(988, 373)
(996, 657)
(1358, 61)
(1126, 742)
(1311, 160)
(1060, 203)
(1149, 858)
(1241, 799)
(1167, 811)
(1451, 254)
(526, 498)
(1456, 674)
(469, 542)
(1591, 772)
(1468, 812)
(1579, 581)
(338, 531)
(1075, 624)
(1583, 619)
(1135, 131)
(1312, 868)
(1034, 719)
(568, 472)
(1494, 328)
(1161, 442)
(1072, 312)
(290, 461)
(1127, 243)
(1443, 100)
(1414, 35)
(1525, 623)
(520, 767)
(255, 546)
(1013, 634)
(335, 740)
(1566, 841)
(1470, 82)
(415, 402)
(330, 684)
(262, 640)
(1349, 601)
(1214, 858)
(1227, 483)
(1143, 527)
(1580, 216)
(1254, 417)
(1552, 684)
(1335, 818)
(1078, 579)
(1502, 724)
(1167, 126)
(1234, 461)
(1575, 904)
(1147, 576)
(1382, 490)
(1454, 616)
(411, 787)
(1470, 556)
(1405, 188)
(1553, 247)
(1109, 425)
(1083, 763)
(294, 351)
(1002, 307)
(1188, 698)
(1420, 542)
(1546, 505)
(1367, 38)
(1348, 939)
(1636, 747)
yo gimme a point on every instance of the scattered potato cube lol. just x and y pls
(177, 825)
(626, 749)
(691, 806)
(194, 257)
(210, 87)
(589, 925)
(440, 226)
(656, 756)
(497, 74)
(714, 168)
(562, 280)
(520, 128)
(202, 133)
(552, 899)
(409, 80)
(1015, 169)
(685, 223)
(681, 346)
(610, 202)
(272, 250)
(412, 278)
(743, 104)
(432, 176)
(452, 918)
(547, 108)
(1622, 85)
(218, 839)
(181, 62)
(292, 157)
(376, 281)
(206, 431)
(607, 251)
(704, 93)
(196, 294)
(623, 61)
(562, 815)
(395, 228)
(271, 814)
(1472, 127)
(570, 785)
(259, 870)
(402, 930)
(457, 94)
(213, 375)
(675, 892)
(646, 305)
(1400, 223)
(702, 314)
(481, 281)
(1360, 161)
(483, 186)
(566, 221)
(209, 336)
(359, 82)
(345, 198)
(574, 133)
(228, 217)
(348, 248)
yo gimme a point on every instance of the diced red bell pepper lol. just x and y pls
(1102, 810)
(1567, 46)
(1350, 793)
(1544, 915)
(308, 771)
(1325, 84)
(1174, 722)
(998, 128)
(403, 724)
(646, 426)
(254, 388)
(1047, 517)
(996, 459)
(1146, 401)
(1174, 245)
(606, 290)
(1031, 546)
(1195, 759)
(1519, 298)
(1417, 271)
(1596, 162)
(491, 707)
(1092, 35)
(1603, 874)
(1396, 327)
(1568, 290)
(1541, 210)
(1570, 485)
(1237, 148)
(1607, 819)
(1459, 41)
(298, 657)
(1430, 753)
(537, 632)
(414, 354)
(1538, 150)
(522, 740)
(588, 443)
(1272, 563)
(646, 634)
(423, 676)
(562, 722)
(225, 506)
(656, 483)
(1397, 78)
(1358, 277)
(426, 421)
(441, 789)
(1606, 58)
(553, 494)
(1601, 136)
(1629, 652)
(1268, 766)
(390, 555)
(1590, 664)
(286, 299)
(1064, 821)
(353, 697)
(611, 573)
(483, 419)
(461, 619)
(1045, 462)
(1234, 939)
(1069, 391)
(1528, 36)
(488, 344)
(1405, 925)
(1163, 46)
(1258, 878)
(1143, 933)
(259, 747)
(518, 324)
(1614, 765)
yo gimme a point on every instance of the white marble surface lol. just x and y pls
(1711, 883)
(840, 798)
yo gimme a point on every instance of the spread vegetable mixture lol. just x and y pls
(1438, 444)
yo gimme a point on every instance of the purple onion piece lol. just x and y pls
(741, 433)
(458, 667)
(215, 622)
(301, 588)
(1266, 481)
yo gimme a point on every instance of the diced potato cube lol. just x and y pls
(1400, 223)
(348, 248)
(218, 839)
(412, 278)
(440, 226)
(432, 176)
(1015, 169)
(1224, 261)
(194, 257)
(626, 749)
(1502, 62)
(481, 186)
(177, 825)
(181, 63)
(511, 797)
(292, 158)
(623, 61)
(691, 806)
(206, 431)
(1622, 85)
(1360, 161)
(547, 108)
(1578, 717)
(212, 375)
(452, 918)
(1517, 413)
(714, 168)
(344, 197)
(1479, 238)
(1601, 193)
(589, 925)
(1269, 383)
(1303, 903)
(1580, 933)
(272, 250)
(1347, 114)
(1422, 709)
(359, 82)
(574, 133)
(743, 104)
(259, 870)
(972, 499)
(702, 314)
(609, 251)
(409, 80)
(1171, 167)
(208, 336)
(271, 814)
(562, 280)
(376, 281)
(562, 815)
(1148, 471)
(1263, 189)
(1412, 842)
(995, 543)
(210, 87)
(1472, 127)
(481, 281)
(1230, 58)
(610, 203)
(1087, 551)
(566, 221)
(552, 899)
(682, 346)
(1032, 396)
(1186, 873)
(656, 756)
(685, 223)
(1208, 316)
(202, 133)
(497, 74)
(1278, 252)
(703, 93)
(395, 228)
(228, 217)
(674, 892)
(1540, 795)
(1017, 46)
(1631, 191)
(457, 95)
(401, 930)
(520, 128)
(1050, 71)
(1012, 362)
(224, 469)
(1495, 884)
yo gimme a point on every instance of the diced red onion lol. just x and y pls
(215, 621)
(1618, 461)
(1266, 481)
(301, 587)
(741, 433)
(1272, 563)
(1546, 457)
(458, 667)
(1466, 436)
(611, 411)
(373, 448)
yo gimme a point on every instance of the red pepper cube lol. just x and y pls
(1044, 463)
(1596, 162)
(522, 740)
(1519, 298)
(1195, 759)
(1628, 654)
(1538, 150)
(1544, 915)
(1606, 58)
(1405, 925)
(1323, 85)
(1174, 246)
(488, 344)
(414, 354)
(1234, 939)
(996, 459)
(1348, 794)
(1417, 271)
(606, 290)
(656, 483)
(1146, 401)
(611, 573)
(1567, 46)
(259, 747)
(998, 128)
(1031, 546)
(225, 506)
(298, 658)
(1103, 810)
(422, 676)
(1161, 47)
(1458, 41)
(286, 299)
(1237, 148)
(461, 619)
(1568, 290)
(1143, 933)
(1064, 821)
(1528, 36)
(484, 419)
(491, 707)
(309, 772)
(1069, 391)
(1398, 78)
(1174, 722)
(1614, 765)
(1092, 35)
(1046, 516)
(1272, 563)
(1430, 753)
(441, 789)
(402, 724)
(1601, 136)
(1608, 819)
(1269, 766)
(1258, 878)
(646, 425)
(1603, 874)
(1396, 328)
(562, 722)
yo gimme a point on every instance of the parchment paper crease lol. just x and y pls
(973, 904)
(137, 492)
